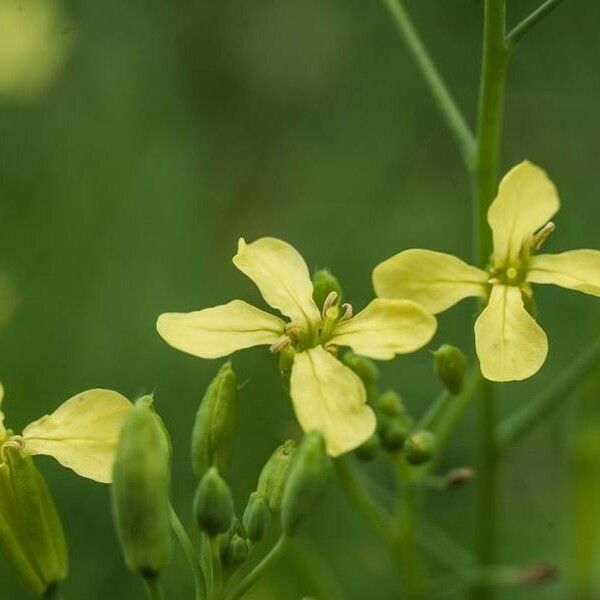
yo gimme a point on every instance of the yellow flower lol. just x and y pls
(81, 434)
(509, 343)
(326, 395)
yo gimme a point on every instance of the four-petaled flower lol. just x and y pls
(81, 434)
(326, 395)
(509, 343)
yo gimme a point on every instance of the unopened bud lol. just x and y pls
(236, 552)
(216, 421)
(256, 517)
(324, 282)
(32, 539)
(390, 404)
(450, 365)
(307, 482)
(393, 432)
(458, 477)
(419, 447)
(213, 504)
(140, 490)
(369, 449)
(273, 477)
(364, 367)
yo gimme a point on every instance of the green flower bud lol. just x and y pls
(419, 447)
(216, 421)
(390, 404)
(286, 361)
(393, 432)
(324, 282)
(273, 477)
(364, 367)
(32, 539)
(140, 490)
(213, 504)
(370, 449)
(450, 365)
(236, 552)
(307, 482)
(256, 517)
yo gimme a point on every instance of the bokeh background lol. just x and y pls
(138, 140)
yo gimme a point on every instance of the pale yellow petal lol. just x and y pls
(510, 345)
(82, 433)
(526, 201)
(281, 275)
(331, 398)
(386, 328)
(220, 330)
(2, 428)
(434, 280)
(577, 270)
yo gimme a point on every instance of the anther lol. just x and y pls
(542, 235)
(348, 312)
(279, 344)
(329, 302)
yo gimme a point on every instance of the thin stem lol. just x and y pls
(153, 588)
(514, 37)
(53, 592)
(438, 89)
(216, 568)
(436, 411)
(190, 553)
(522, 422)
(268, 561)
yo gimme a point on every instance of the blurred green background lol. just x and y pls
(138, 140)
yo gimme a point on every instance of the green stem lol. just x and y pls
(54, 592)
(436, 411)
(268, 561)
(438, 89)
(190, 553)
(514, 37)
(153, 588)
(216, 568)
(522, 422)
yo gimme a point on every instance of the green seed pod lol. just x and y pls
(450, 365)
(140, 490)
(364, 367)
(213, 504)
(286, 361)
(273, 477)
(32, 539)
(324, 282)
(307, 482)
(256, 517)
(237, 551)
(215, 424)
(370, 448)
(390, 404)
(419, 447)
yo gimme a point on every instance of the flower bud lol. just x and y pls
(236, 552)
(273, 477)
(419, 447)
(364, 367)
(216, 421)
(307, 482)
(450, 365)
(213, 504)
(324, 282)
(32, 539)
(369, 449)
(140, 490)
(393, 431)
(390, 404)
(256, 517)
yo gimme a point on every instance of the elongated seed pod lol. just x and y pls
(140, 491)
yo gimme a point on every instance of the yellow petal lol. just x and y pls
(510, 345)
(434, 280)
(386, 328)
(331, 398)
(2, 428)
(577, 270)
(526, 201)
(220, 330)
(82, 433)
(281, 275)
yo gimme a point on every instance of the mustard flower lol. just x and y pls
(326, 395)
(509, 342)
(81, 434)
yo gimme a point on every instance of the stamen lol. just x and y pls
(542, 235)
(329, 302)
(348, 312)
(493, 281)
(279, 344)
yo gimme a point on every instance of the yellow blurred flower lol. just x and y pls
(33, 45)
(509, 343)
(326, 394)
(81, 434)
